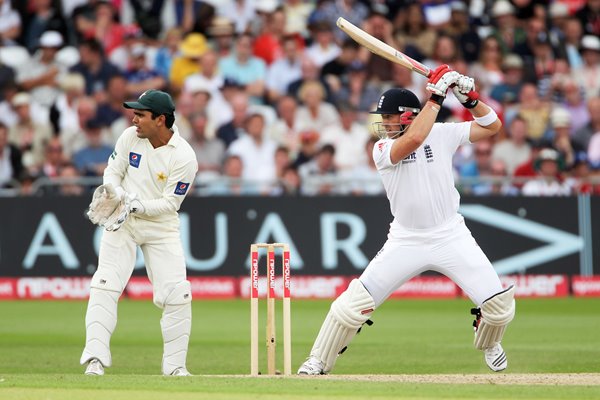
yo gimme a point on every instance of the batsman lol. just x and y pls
(147, 177)
(414, 159)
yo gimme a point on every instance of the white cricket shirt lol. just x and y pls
(420, 187)
(160, 177)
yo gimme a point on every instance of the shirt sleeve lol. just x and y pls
(117, 162)
(454, 134)
(178, 184)
(381, 154)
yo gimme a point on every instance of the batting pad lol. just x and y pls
(347, 314)
(496, 313)
(176, 325)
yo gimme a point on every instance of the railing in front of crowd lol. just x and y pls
(310, 186)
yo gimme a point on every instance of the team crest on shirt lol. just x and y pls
(161, 177)
(428, 153)
(134, 159)
(181, 188)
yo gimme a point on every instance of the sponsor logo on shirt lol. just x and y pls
(181, 188)
(134, 159)
(411, 158)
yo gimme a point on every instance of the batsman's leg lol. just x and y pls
(345, 318)
(116, 259)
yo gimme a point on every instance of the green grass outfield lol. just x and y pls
(416, 349)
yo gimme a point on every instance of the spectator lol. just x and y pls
(414, 35)
(583, 135)
(256, 151)
(11, 166)
(285, 70)
(284, 130)
(324, 48)
(121, 57)
(364, 179)
(348, 138)
(63, 113)
(333, 71)
(233, 129)
(588, 74)
(42, 16)
(357, 89)
(405, 78)
(319, 175)
(463, 31)
(168, 51)
(352, 10)
(548, 166)
(94, 67)
(580, 177)
(296, 16)
(43, 73)
(496, 182)
(54, 159)
(187, 62)
(507, 28)
(10, 24)
(589, 16)
(268, 42)
(560, 121)
(73, 140)
(231, 182)
(573, 32)
(244, 68)
(593, 150)
(210, 152)
(221, 33)
(139, 77)
(105, 27)
(575, 104)
(111, 109)
(381, 28)
(480, 167)
(240, 12)
(315, 113)
(70, 186)
(309, 72)
(92, 158)
(28, 135)
(308, 148)
(487, 70)
(507, 91)
(209, 75)
(290, 183)
(514, 150)
(532, 109)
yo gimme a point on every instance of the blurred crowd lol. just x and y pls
(274, 98)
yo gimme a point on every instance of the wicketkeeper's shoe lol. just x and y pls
(312, 366)
(495, 358)
(181, 371)
(94, 367)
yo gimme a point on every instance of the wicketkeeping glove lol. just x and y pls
(104, 203)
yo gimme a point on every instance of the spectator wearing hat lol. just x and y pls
(506, 27)
(95, 68)
(348, 138)
(63, 113)
(42, 16)
(514, 150)
(584, 134)
(167, 51)
(41, 75)
(560, 121)
(588, 75)
(220, 33)
(243, 67)
(11, 166)
(548, 166)
(28, 135)
(192, 48)
(139, 76)
(507, 91)
(91, 160)
(285, 70)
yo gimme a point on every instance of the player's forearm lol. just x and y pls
(416, 133)
(155, 207)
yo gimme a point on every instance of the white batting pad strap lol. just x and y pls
(106, 279)
(176, 325)
(347, 314)
(100, 322)
(496, 313)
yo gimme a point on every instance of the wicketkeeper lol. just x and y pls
(147, 177)
(414, 159)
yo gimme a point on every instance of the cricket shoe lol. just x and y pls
(94, 367)
(181, 371)
(495, 358)
(312, 366)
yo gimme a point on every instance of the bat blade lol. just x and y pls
(380, 48)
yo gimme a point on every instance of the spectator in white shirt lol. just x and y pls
(548, 165)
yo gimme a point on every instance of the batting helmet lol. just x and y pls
(397, 101)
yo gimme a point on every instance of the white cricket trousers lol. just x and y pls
(449, 249)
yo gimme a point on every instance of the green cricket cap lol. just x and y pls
(153, 100)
